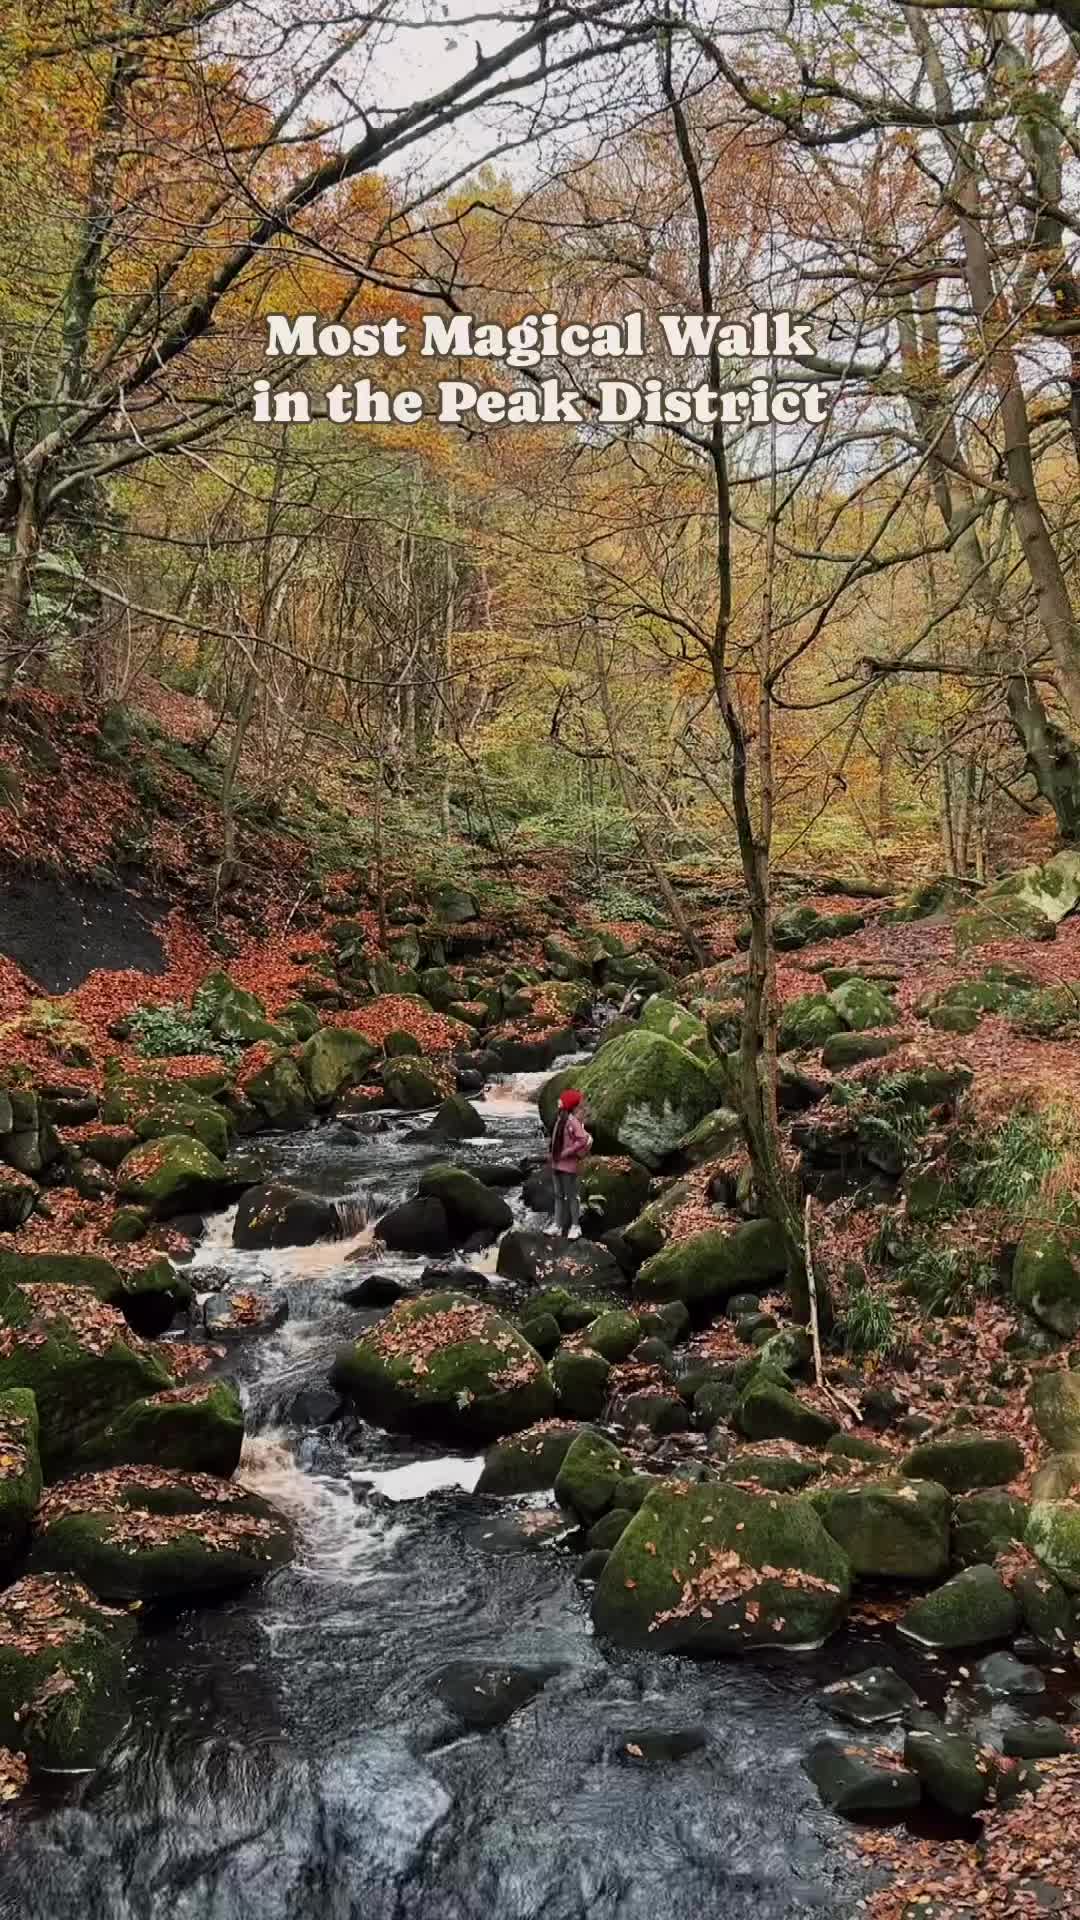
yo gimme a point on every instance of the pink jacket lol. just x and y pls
(570, 1143)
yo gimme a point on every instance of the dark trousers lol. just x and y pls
(567, 1201)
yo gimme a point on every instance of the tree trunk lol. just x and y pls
(16, 584)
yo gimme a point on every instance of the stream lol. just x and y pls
(291, 1754)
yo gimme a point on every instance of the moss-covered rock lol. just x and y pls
(279, 1095)
(808, 1021)
(1053, 1536)
(714, 1138)
(18, 1198)
(646, 1233)
(528, 1462)
(447, 1365)
(62, 1673)
(614, 1189)
(896, 1529)
(708, 1569)
(950, 1767)
(973, 1609)
(20, 1473)
(235, 1015)
(660, 1015)
(594, 1477)
(767, 1411)
(412, 1084)
(986, 1524)
(175, 1174)
(1058, 1478)
(964, 1459)
(1046, 1281)
(850, 1049)
(1052, 889)
(198, 1428)
(1000, 918)
(930, 900)
(274, 1214)
(334, 1059)
(149, 1295)
(643, 1093)
(581, 1381)
(614, 1334)
(457, 1119)
(202, 1119)
(713, 1265)
(470, 1206)
(543, 1332)
(775, 1466)
(857, 1780)
(861, 1004)
(143, 1533)
(1055, 1407)
(80, 1360)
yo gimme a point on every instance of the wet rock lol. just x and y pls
(278, 1215)
(1036, 1740)
(614, 1334)
(592, 1565)
(1046, 1608)
(707, 1568)
(869, 1699)
(486, 1695)
(528, 1462)
(950, 1768)
(447, 1365)
(471, 1208)
(1002, 1673)
(543, 1332)
(197, 1428)
(242, 1310)
(657, 1413)
(542, 1259)
(416, 1226)
(607, 1530)
(856, 1780)
(375, 1290)
(63, 1697)
(172, 1175)
(895, 1529)
(457, 1119)
(973, 1609)
(1055, 1406)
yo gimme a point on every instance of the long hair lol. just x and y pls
(558, 1131)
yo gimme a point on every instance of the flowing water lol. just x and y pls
(289, 1756)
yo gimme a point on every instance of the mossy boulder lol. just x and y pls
(614, 1334)
(643, 1093)
(144, 1533)
(889, 1529)
(175, 1174)
(18, 1198)
(279, 1095)
(964, 1459)
(775, 1466)
(709, 1569)
(580, 1379)
(851, 1049)
(986, 1524)
(861, 1004)
(149, 1295)
(950, 1767)
(202, 1119)
(1053, 1536)
(333, 1060)
(614, 1189)
(63, 1695)
(646, 1233)
(1046, 1281)
(528, 1462)
(20, 1473)
(471, 1208)
(1058, 1478)
(445, 1364)
(712, 1265)
(997, 918)
(198, 1428)
(714, 1138)
(412, 1084)
(856, 1780)
(973, 1609)
(808, 1021)
(768, 1411)
(80, 1360)
(930, 900)
(1052, 889)
(666, 1017)
(1055, 1407)
(236, 1015)
(594, 1477)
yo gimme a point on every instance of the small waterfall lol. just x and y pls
(339, 1538)
(354, 1216)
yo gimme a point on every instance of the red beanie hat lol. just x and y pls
(571, 1098)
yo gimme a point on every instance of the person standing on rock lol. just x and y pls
(569, 1145)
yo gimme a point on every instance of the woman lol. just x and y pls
(569, 1145)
